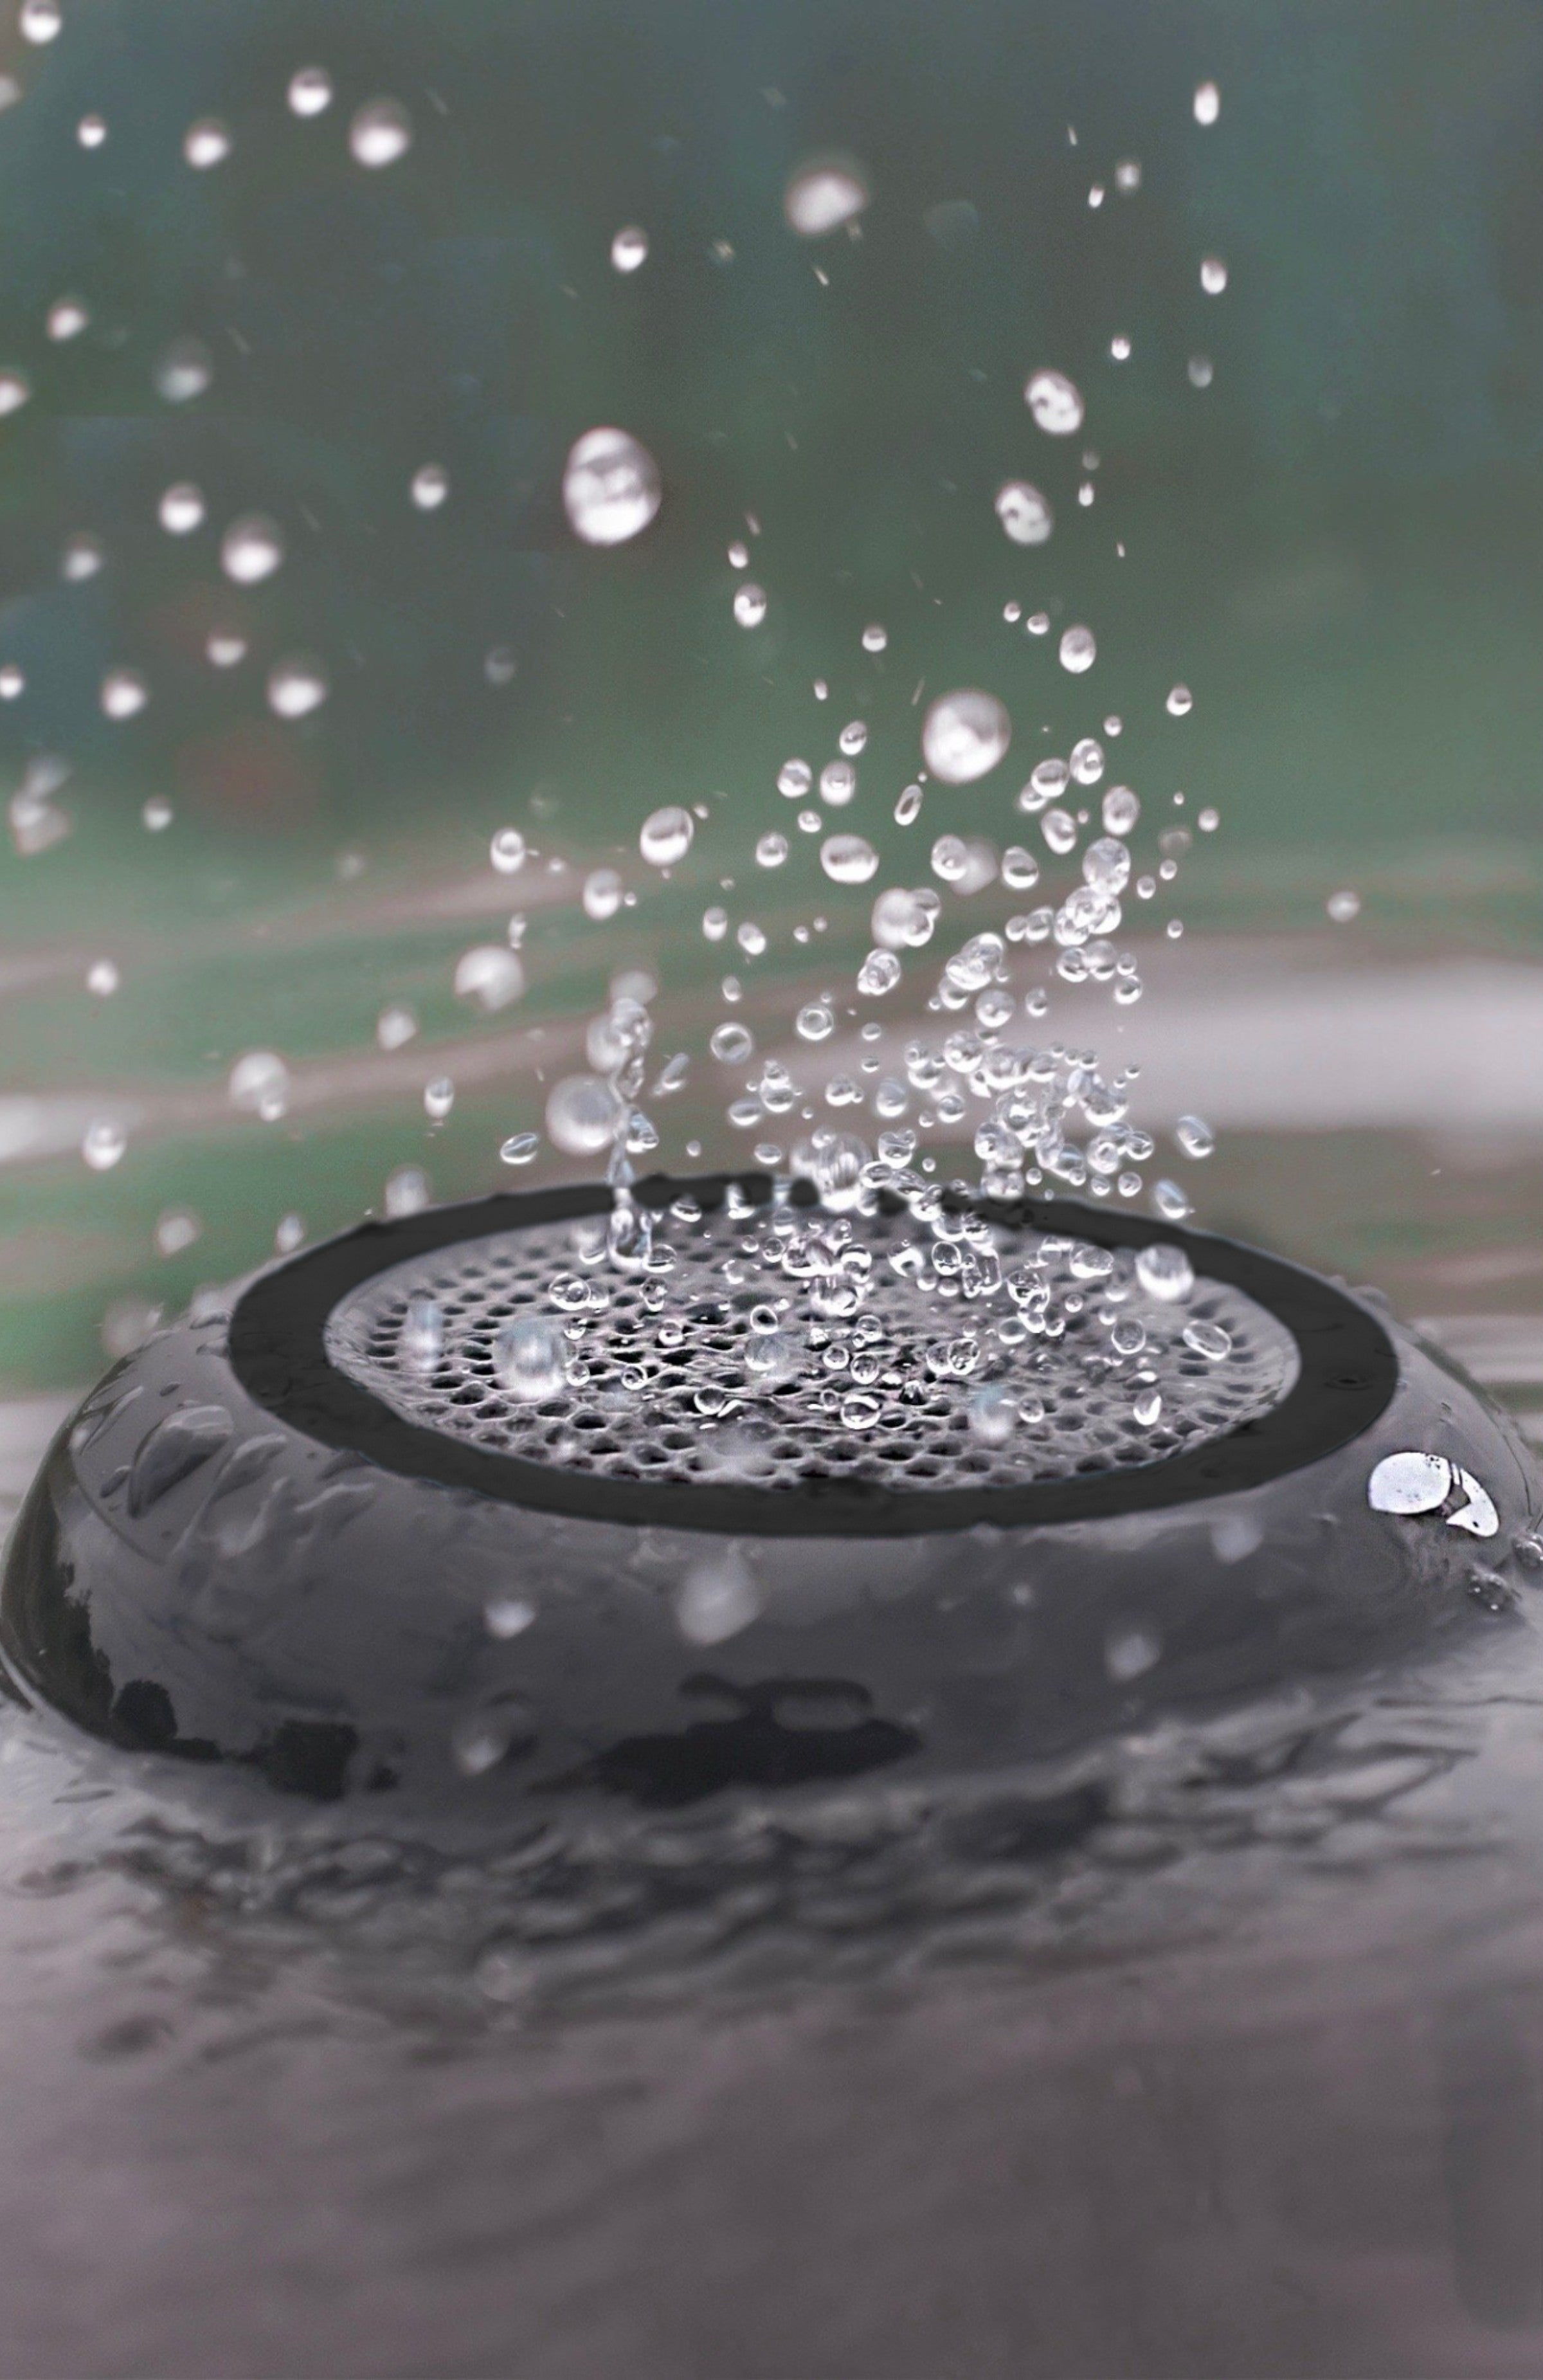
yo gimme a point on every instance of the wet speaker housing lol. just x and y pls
(236, 1552)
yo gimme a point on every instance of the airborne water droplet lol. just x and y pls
(1023, 513)
(666, 835)
(528, 1359)
(629, 248)
(310, 90)
(1055, 403)
(848, 858)
(822, 194)
(610, 487)
(381, 133)
(965, 733)
(251, 549)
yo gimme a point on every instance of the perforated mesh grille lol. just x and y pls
(672, 1375)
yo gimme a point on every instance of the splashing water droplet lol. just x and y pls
(297, 688)
(181, 509)
(582, 1115)
(14, 390)
(848, 859)
(1213, 276)
(838, 783)
(603, 893)
(965, 735)
(39, 20)
(395, 1027)
(490, 975)
(794, 779)
(207, 143)
(814, 1022)
(1409, 1484)
(251, 549)
(103, 1145)
(310, 90)
(1201, 371)
(380, 133)
(1171, 1202)
(1165, 1272)
(520, 1148)
(875, 638)
(880, 973)
(438, 1097)
(610, 487)
(731, 1044)
(1207, 103)
(1180, 703)
(1078, 650)
(1207, 1339)
(259, 1084)
(1023, 513)
(1194, 1136)
(770, 850)
(156, 814)
(666, 835)
(1055, 403)
(507, 851)
(1120, 810)
(431, 485)
(822, 194)
(1343, 906)
(67, 317)
(185, 371)
(629, 248)
(749, 604)
(124, 694)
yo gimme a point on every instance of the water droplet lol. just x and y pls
(717, 1599)
(259, 1084)
(14, 390)
(101, 978)
(381, 133)
(853, 738)
(251, 549)
(438, 1097)
(67, 317)
(520, 1148)
(772, 850)
(1207, 103)
(1343, 906)
(1146, 1407)
(39, 20)
(848, 859)
(185, 371)
(964, 734)
(103, 1145)
(1207, 1339)
(822, 194)
(749, 604)
(1409, 1483)
(666, 836)
(395, 1027)
(907, 808)
(794, 779)
(156, 814)
(993, 1413)
(182, 509)
(13, 682)
(528, 1359)
(880, 973)
(1055, 403)
(1078, 650)
(310, 90)
(489, 974)
(583, 1116)
(903, 920)
(731, 1044)
(508, 1616)
(296, 686)
(815, 1022)
(1023, 513)
(1213, 276)
(1165, 1272)
(1201, 371)
(177, 1228)
(875, 638)
(431, 485)
(1181, 702)
(1131, 1652)
(610, 487)
(1120, 810)
(1171, 1202)
(1119, 348)
(420, 1341)
(1127, 176)
(124, 694)
(206, 143)
(480, 1741)
(603, 893)
(629, 248)
(507, 851)
(1194, 1136)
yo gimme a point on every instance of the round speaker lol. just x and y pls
(539, 1502)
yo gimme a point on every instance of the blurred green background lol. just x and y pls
(1335, 542)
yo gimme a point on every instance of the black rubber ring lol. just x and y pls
(1349, 1370)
